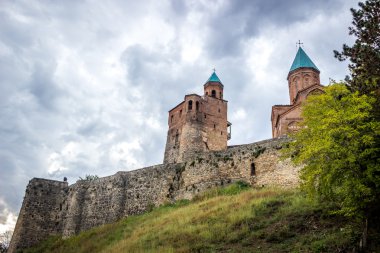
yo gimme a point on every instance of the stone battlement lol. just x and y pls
(55, 208)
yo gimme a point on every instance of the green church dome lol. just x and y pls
(302, 61)
(214, 78)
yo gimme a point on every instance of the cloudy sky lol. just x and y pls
(86, 85)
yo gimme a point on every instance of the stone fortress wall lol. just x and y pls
(55, 208)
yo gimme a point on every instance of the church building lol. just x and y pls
(303, 80)
(198, 124)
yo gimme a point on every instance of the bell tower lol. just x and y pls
(303, 80)
(302, 74)
(198, 124)
(213, 87)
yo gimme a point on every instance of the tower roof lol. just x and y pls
(214, 78)
(302, 61)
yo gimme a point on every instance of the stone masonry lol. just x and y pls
(55, 208)
(198, 124)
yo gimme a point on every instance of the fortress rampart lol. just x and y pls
(55, 208)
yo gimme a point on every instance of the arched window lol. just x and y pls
(253, 169)
(220, 95)
(171, 118)
(190, 107)
(307, 80)
(213, 93)
(180, 113)
(197, 106)
(296, 83)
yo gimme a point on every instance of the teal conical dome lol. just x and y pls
(214, 78)
(302, 61)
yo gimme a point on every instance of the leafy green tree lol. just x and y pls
(364, 54)
(338, 146)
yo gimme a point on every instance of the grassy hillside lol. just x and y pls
(233, 219)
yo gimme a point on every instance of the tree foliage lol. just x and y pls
(339, 147)
(364, 54)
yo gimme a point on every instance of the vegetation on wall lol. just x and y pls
(88, 178)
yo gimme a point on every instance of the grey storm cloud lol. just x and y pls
(86, 87)
(240, 19)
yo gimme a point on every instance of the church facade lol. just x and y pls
(303, 80)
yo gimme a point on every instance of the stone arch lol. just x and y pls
(296, 83)
(307, 80)
(190, 105)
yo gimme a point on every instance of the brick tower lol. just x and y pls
(303, 79)
(198, 124)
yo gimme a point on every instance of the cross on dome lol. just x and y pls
(299, 43)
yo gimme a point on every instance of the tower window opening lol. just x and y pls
(180, 113)
(213, 93)
(219, 110)
(221, 133)
(176, 138)
(190, 107)
(253, 169)
(197, 106)
(205, 115)
(214, 126)
(171, 118)
(220, 95)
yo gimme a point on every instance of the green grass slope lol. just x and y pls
(231, 219)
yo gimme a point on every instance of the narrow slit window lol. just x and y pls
(190, 107)
(253, 169)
